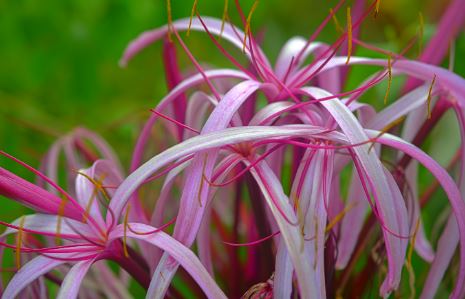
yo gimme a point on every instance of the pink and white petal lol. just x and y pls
(208, 141)
(184, 256)
(106, 152)
(70, 286)
(381, 190)
(47, 225)
(451, 190)
(290, 51)
(28, 273)
(214, 26)
(352, 222)
(195, 191)
(282, 285)
(401, 107)
(168, 100)
(285, 217)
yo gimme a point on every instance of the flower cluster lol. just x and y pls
(280, 182)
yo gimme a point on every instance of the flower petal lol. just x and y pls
(179, 252)
(70, 286)
(28, 273)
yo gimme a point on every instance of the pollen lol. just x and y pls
(126, 217)
(389, 78)
(247, 25)
(170, 19)
(408, 262)
(430, 91)
(224, 18)
(336, 21)
(378, 2)
(421, 30)
(386, 129)
(98, 184)
(202, 180)
(61, 212)
(339, 217)
(19, 241)
(194, 9)
(349, 35)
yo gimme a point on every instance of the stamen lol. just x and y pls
(336, 21)
(421, 30)
(194, 9)
(61, 212)
(339, 216)
(98, 184)
(408, 262)
(19, 241)
(153, 231)
(247, 26)
(126, 216)
(349, 35)
(386, 129)
(428, 101)
(170, 19)
(389, 78)
(202, 180)
(378, 2)
(224, 18)
(256, 242)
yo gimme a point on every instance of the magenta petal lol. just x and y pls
(32, 196)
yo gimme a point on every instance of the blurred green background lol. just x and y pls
(59, 62)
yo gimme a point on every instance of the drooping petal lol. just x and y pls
(205, 142)
(47, 225)
(230, 33)
(179, 252)
(28, 273)
(282, 286)
(195, 191)
(450, 188)
(291, 234)
(169, 98)
(107, 177)
(70, 286)
(382, 192)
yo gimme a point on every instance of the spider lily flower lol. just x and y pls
(87, 235)
(331, 130)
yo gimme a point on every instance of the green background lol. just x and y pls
(59, 63)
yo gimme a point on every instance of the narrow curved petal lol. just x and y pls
(230, 33)
(195, 190)
(179, 252)
(28, 273)
(449, 186)
(382, 192)
(47, 225)
(70, 286)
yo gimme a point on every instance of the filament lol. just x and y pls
(428, 101)
(19, 241)
(349, 35)
(194, 9)
(126, 216)
(247, 26)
